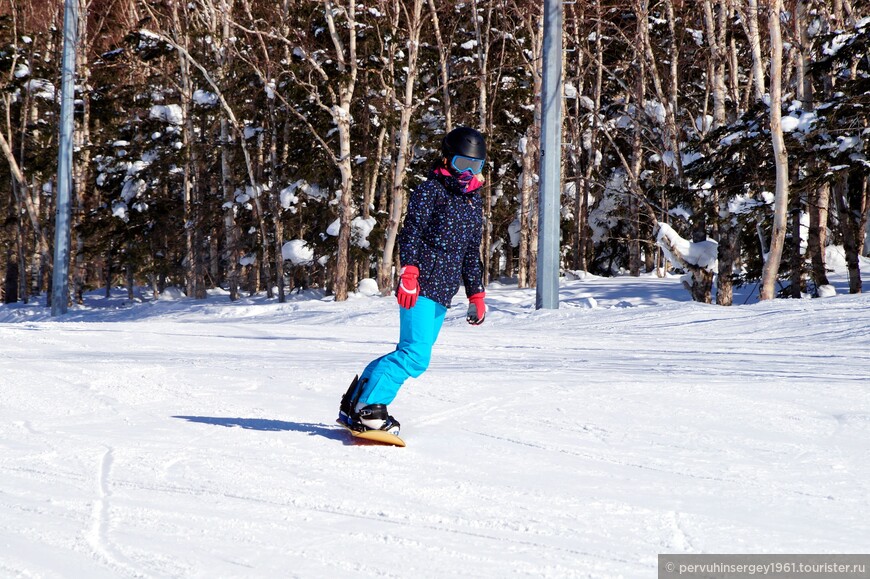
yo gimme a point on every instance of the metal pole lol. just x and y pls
(63, 211)
(547, 296)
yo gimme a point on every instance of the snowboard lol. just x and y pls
(379, 436)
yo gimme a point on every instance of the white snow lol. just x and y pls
(297, 252)
(119, 210)
(703, 124)
(167, 113)
(655, 110)
(789, 124)
(732, 138)
(687, 158)
(41, 88)
(184, 438)
(205, 98)
(803, 123)
(845, 143)
(368, 287)
(137, 167)
(570, 90)
(827, 291)
(514, 230)
(704, 254)
(741, 204)
(360, 229)
(132, 189)
(288, 197)
(833, 47)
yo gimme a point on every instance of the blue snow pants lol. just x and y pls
(419, 328)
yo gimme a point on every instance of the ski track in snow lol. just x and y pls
(196, 439)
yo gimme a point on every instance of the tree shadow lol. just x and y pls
(265, 425)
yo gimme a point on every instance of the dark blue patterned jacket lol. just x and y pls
(441, 235)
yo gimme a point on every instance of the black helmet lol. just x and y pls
(464, 141)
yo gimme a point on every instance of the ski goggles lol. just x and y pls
(462, 164)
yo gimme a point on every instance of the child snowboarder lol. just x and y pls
(439, 248)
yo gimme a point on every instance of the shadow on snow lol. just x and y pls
(266, 425)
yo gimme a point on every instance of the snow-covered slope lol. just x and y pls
(196, 439)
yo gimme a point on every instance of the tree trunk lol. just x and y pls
(232, 235)
(374, 175)
(715, 38)
(727, 254)
(345, 209)
(231, 230)
(443, 56)
(863, 231)
(482, 33)
(533, 24)
(593, 152)
(180, 36)
(275, 205)
(848, 227)
(771, 266)
(403, 152)
(23, 196)
(755, 45)
(10, 283)
(22, 257)
(637, 137)
(819, 200)
(348, 67)
(714, 28)
(796, 264)
(527, 209)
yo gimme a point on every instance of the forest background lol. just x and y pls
(266, 146)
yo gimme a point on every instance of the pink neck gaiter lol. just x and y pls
(468, 180)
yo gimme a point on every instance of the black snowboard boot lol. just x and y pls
(347, 408)
(371, 417)
(376, 417)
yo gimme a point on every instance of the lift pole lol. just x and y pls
(63, 211)
(547, 296)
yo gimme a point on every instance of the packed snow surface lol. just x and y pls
(182, 438)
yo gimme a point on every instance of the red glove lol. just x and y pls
(476, 309)
(408, 289)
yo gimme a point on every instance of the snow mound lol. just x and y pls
(368, 287)
(172, 294)
(703, 254)
(827, 291)
(298, 252)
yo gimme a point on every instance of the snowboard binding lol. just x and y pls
(373, 417)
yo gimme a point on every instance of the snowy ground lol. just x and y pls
(196, 439)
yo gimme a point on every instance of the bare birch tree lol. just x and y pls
(532, 24)
(777, 239)
(24, 187)
(412, 15)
